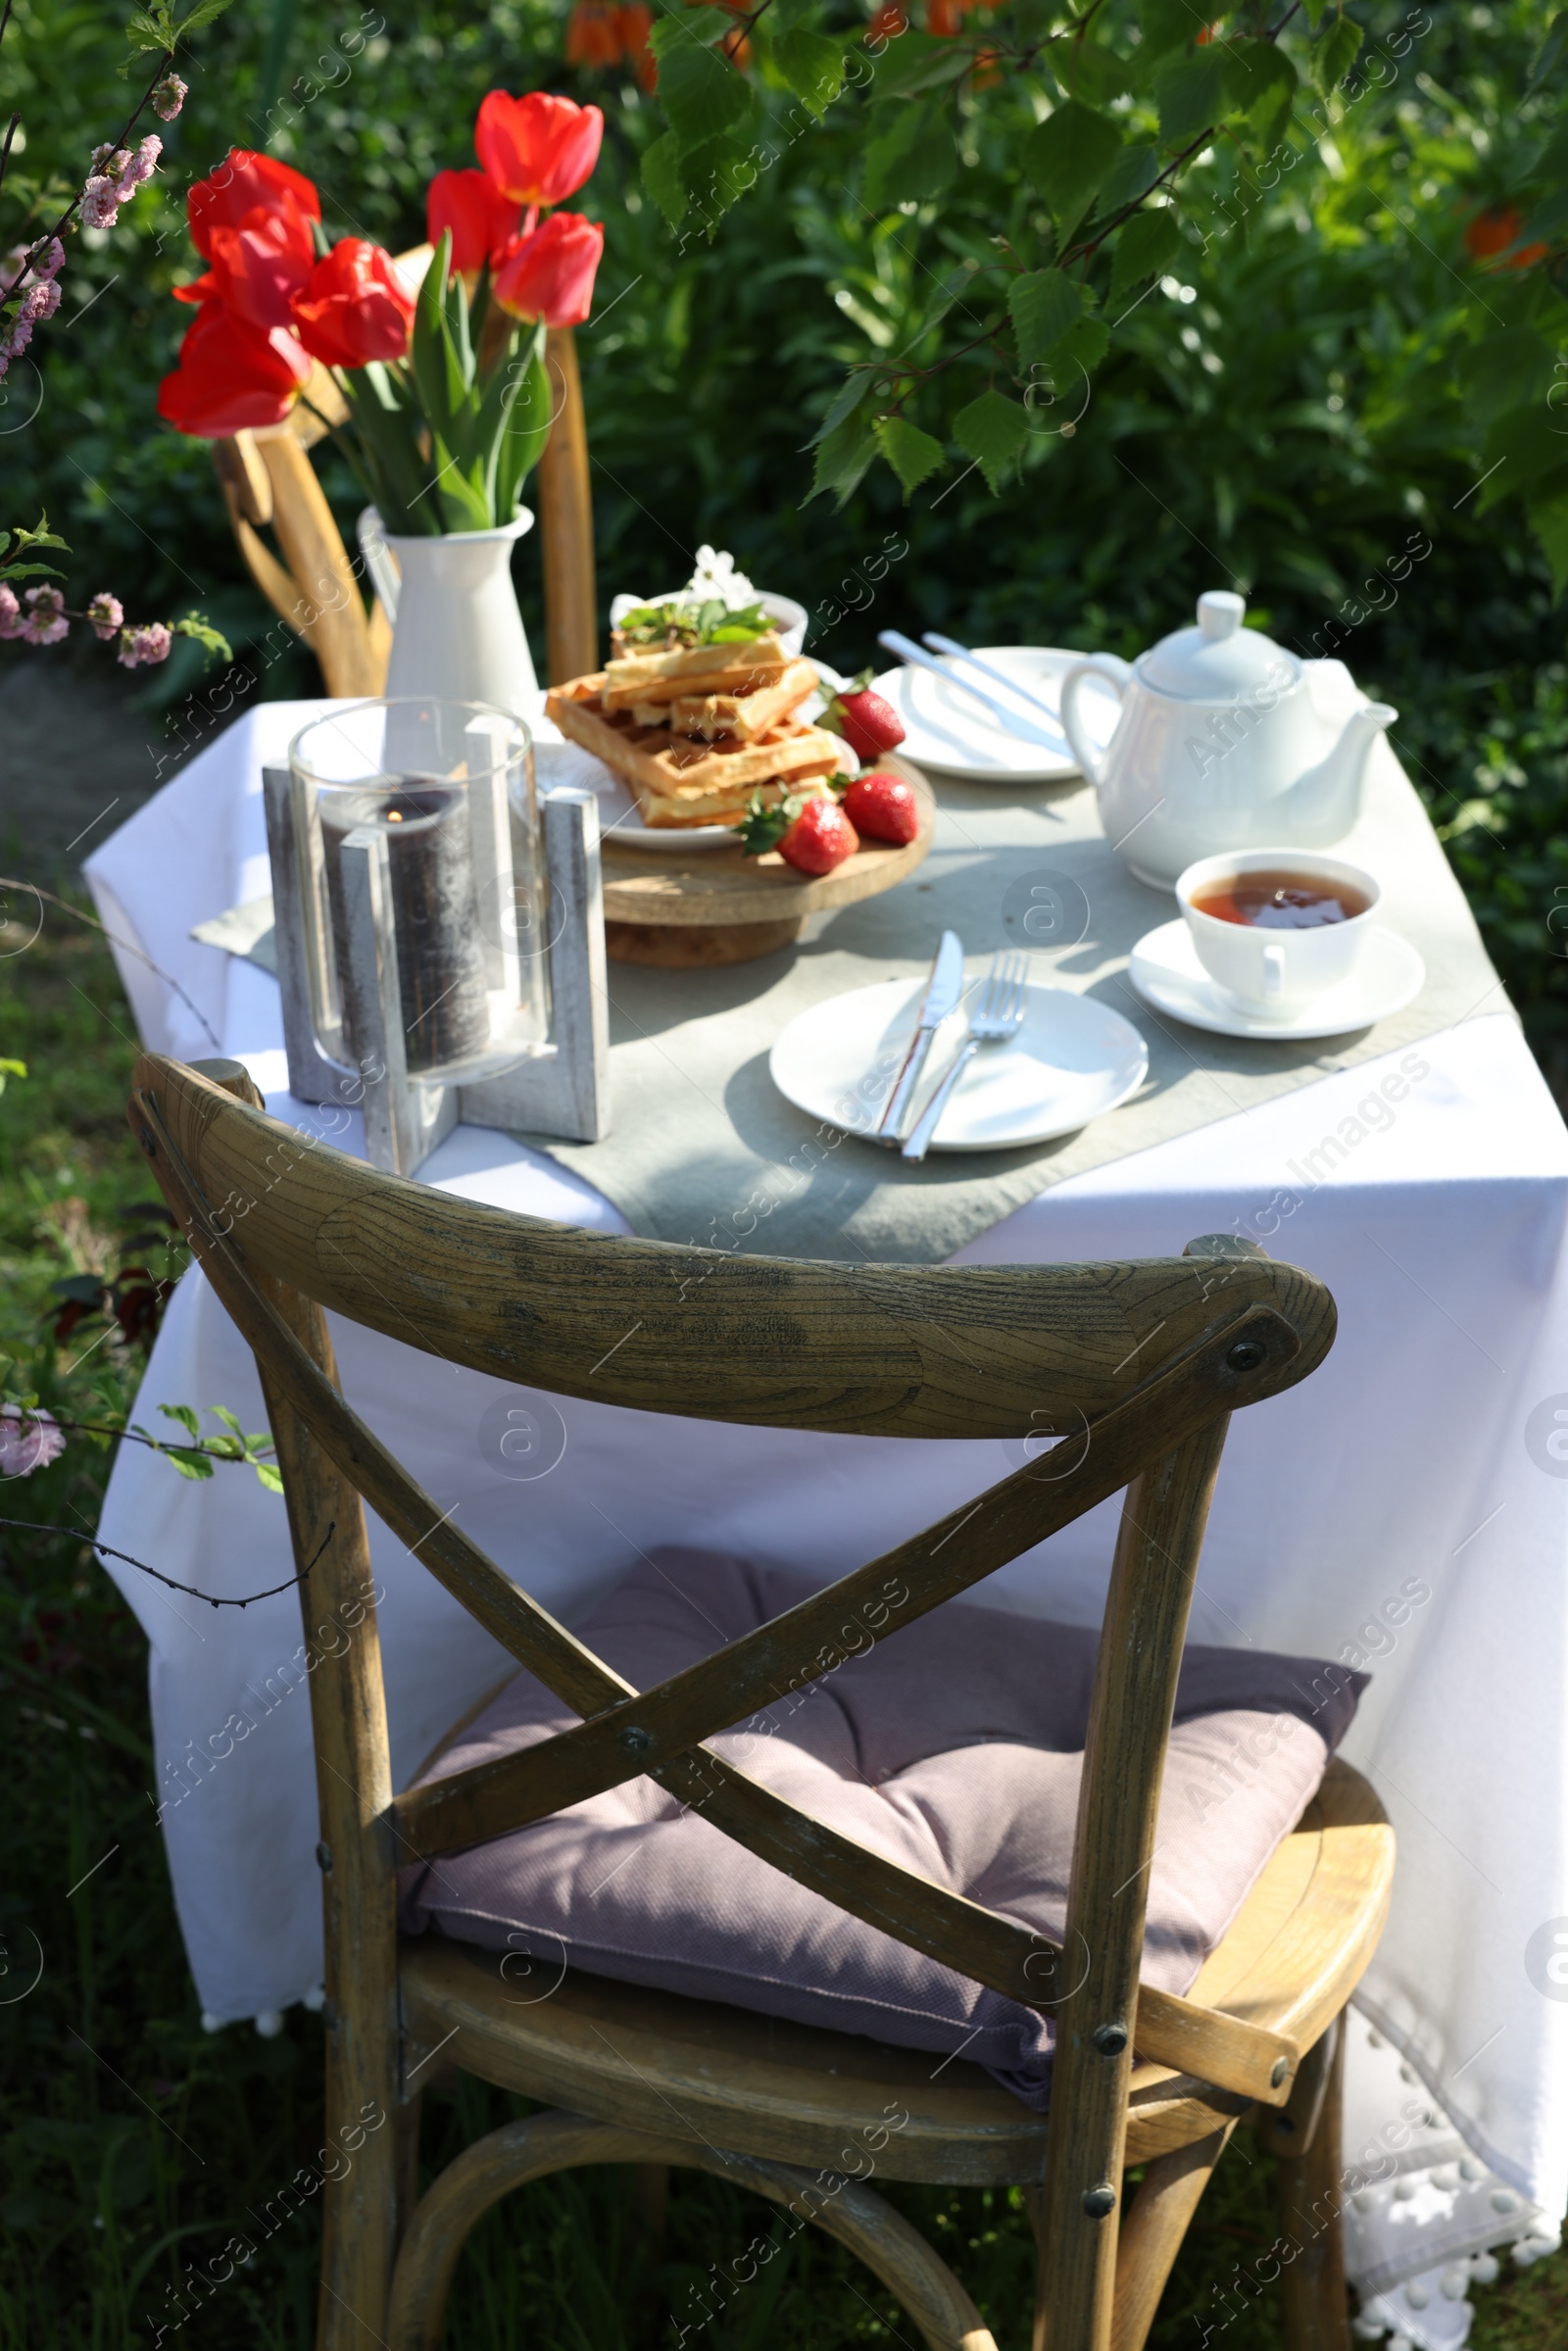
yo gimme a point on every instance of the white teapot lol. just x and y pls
(1218, 747)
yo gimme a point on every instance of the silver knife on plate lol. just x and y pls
(942, 992)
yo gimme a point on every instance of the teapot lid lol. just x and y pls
(1218, 661)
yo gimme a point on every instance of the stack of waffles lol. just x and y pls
(697, 731)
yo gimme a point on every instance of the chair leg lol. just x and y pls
(1152, 2230)
(1313, 2219)
(511, 2157)
(407, 2121)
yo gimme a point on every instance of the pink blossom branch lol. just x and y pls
(75, 206)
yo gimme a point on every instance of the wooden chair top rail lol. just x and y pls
(883, 1349)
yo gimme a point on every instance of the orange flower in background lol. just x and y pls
(354, 307)
(549, 274)
(599, 32)
(479, 217)
(538, 149)
(1211, 32)
(888, 23)
(1493, 230)
(231, 376)
(593, 36)
(946, 16)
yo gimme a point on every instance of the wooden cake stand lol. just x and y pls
(718, 905)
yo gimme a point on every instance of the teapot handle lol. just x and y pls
(1114, 672)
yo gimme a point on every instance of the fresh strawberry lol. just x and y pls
(868, 725)
(812, 833)
(882, 806)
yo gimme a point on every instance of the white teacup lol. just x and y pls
(1275, 972)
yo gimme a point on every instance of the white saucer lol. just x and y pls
(1167, 972)
(950, 733)
(1074, 1060)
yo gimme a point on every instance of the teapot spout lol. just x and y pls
(1326, 800)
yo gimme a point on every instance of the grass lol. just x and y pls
(135, 2143)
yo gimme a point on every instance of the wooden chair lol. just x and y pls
(1149, 1359)
(267, 479)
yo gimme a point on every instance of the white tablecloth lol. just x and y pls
(1405, 1504)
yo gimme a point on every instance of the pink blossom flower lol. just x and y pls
(39, 302)
(143, 646)
(169, 97)
(10, 613)
(28, 1439)
(106, 613)
(46, 622)
(51, 264)
(100, 203)
(132, 170)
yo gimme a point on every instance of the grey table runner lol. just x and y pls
(703, 1149)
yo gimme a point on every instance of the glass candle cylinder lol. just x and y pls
(440, 795)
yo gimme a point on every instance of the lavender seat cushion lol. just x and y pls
(954, 1748)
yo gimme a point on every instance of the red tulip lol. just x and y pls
(257, 264)
(232, 375)
(480, 218)
(354, 307)
(241, 182)
(537, 149)
(549, 274)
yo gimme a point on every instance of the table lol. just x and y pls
(1405, 1504)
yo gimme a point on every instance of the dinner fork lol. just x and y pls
(996, 1020)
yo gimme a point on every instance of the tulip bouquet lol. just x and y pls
(445, 400)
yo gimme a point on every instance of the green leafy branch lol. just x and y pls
(193, 1460)
(17, 546)
(157, 27)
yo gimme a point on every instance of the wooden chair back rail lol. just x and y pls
(321, 1232)
(961, 1934)
(879, 1351)
(268, 481)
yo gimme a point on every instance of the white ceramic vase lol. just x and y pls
(457, 633)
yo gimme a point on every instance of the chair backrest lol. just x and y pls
(1138, 1364)
(268, 481)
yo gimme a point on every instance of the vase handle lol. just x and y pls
(379, 560)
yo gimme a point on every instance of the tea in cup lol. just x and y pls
(1276, 927)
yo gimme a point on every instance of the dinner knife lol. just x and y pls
(950, 645)
(942, 992)
(1015, 725)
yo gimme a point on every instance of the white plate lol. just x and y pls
(1167, 972)
(949, 732)
(620, 817)
(1072, 1059)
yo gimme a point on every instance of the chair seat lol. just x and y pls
(956, 1748)
(660, 2062)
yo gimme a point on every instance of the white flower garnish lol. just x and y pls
(715, 577)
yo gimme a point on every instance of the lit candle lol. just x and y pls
(434, 913)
